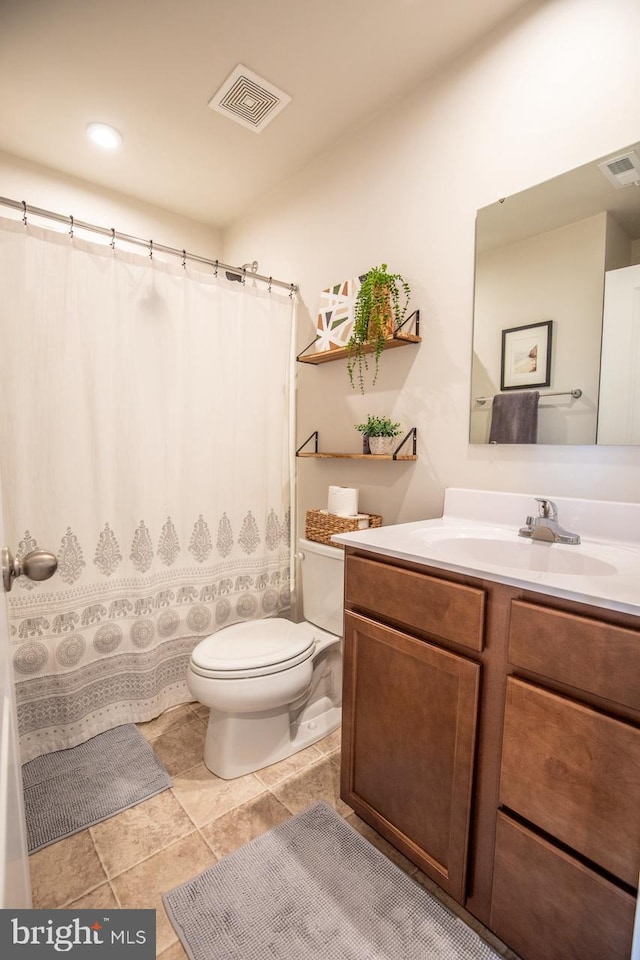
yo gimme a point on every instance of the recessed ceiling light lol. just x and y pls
(104, 135)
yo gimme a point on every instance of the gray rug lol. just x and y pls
(313, 889)
(68, 790)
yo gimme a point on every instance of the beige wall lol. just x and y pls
(50, 190)
(554, 89)
(557, 276)
(619, 247)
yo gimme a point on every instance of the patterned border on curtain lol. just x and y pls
(153, 458)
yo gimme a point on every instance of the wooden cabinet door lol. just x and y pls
(409, 731)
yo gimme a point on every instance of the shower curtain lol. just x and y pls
(145, 440)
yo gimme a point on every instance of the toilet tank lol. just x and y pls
(322, 571)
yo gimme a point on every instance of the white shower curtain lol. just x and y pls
(144, 439)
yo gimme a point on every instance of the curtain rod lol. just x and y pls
(239, 272)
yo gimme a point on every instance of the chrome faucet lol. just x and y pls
(545, 526)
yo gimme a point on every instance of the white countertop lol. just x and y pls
(603, 570)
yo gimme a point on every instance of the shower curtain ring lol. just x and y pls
(216, 270)
(113, 238)
(24, 212)
(184, 259)
(71, 226)
(269, 287)
(292, 288)
(244, 275)
(150, 249)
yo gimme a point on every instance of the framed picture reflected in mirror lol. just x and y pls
(526, 356)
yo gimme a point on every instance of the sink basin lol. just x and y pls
(521, 555)
(481, 547)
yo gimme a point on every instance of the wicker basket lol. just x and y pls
(321, 526)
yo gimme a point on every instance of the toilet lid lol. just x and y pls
(253, 648)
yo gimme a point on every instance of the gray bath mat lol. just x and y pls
(313, 889)
(68, 790)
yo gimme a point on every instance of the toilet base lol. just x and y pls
(310, 731)
(237, 745)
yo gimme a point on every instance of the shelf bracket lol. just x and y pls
(416, 314)
(313, 436)
(302, 352)
(413, 433)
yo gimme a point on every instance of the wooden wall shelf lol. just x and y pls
(316, 455)
(325, 356)
(399, 339)
(356, 456)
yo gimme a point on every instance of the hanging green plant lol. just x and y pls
(378, 312)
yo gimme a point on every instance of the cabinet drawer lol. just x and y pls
(575, 773)
(588, 654)
(440, 608)
(548, 906)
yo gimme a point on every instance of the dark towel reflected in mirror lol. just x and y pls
(514, 417)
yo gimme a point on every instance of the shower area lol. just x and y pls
(146, 440)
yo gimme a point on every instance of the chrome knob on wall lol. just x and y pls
(37, 565)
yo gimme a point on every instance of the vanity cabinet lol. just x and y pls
(492, 734)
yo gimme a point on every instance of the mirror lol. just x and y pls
(547, 259)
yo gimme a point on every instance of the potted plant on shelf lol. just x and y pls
(378, 434)
(378, 311)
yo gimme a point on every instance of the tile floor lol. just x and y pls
(133, 858)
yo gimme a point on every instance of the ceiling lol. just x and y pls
(566, 199)
(149, 68)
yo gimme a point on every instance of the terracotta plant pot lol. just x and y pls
(382, 320)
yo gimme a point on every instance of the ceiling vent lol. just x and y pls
(622, 171)
(249, 99)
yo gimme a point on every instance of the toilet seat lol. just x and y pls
(256, 648)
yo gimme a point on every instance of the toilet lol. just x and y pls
(273, 686)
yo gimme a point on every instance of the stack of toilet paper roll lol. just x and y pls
(343, 502)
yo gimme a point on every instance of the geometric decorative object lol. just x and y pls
(335, 315)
